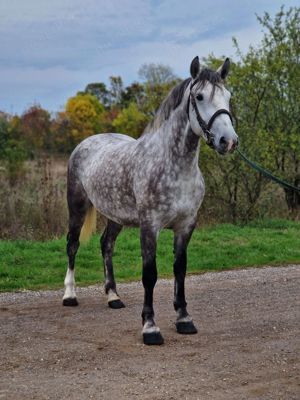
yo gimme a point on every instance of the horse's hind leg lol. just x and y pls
(107, 243)
(184, 323)
(79, 205)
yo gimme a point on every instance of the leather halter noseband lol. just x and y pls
(203, 125)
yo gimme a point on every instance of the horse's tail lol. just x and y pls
(89, 225)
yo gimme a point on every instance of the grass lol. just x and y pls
(39, 265)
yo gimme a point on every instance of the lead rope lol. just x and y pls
(267, 173)
(209, 137)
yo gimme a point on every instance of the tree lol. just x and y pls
(158, 80)
(156, 74)
(61, 130)
(116, 89)
(281, 103)
(99, 90)
(34, 128)
(84, 113)
(108, 117)
(12, 153)
(265, 99)
(130, 121)
(4, 135)
(134, 93)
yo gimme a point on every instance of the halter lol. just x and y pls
(203, 125)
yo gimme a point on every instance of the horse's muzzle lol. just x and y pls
(227, 145)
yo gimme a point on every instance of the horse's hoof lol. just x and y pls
(186, 328)
(153, 338)
(115, 304)
(70, 302)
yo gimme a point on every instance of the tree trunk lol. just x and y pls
(292, 197)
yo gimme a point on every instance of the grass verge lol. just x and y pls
(40, 265)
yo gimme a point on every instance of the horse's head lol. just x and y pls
(208, 107)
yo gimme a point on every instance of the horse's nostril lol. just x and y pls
(235, 144)
(223, 141)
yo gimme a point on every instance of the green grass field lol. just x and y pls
(39, 265)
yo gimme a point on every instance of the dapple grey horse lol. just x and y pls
(153, 182)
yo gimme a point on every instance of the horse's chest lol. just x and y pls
(186, 194)
(178, 199)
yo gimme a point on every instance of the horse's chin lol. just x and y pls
(222, 152)
(217, 149)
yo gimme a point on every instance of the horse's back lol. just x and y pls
(96, 147)
(97, 142)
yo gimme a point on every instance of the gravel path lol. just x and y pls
(247, 346)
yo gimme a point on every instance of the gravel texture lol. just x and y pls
(247, 346)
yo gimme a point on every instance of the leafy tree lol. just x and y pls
(265, 100)
(34, 128)
(61, 130)
(134, 93)
(12, 153)
(84, 113)
(154, 96)
(108, 117)
(99, 90)
(230, 183)
(130, 121)
(281, 104)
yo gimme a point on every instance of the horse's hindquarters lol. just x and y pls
(103, 165)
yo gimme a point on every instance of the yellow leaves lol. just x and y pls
(84, 113)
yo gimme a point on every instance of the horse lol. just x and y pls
(152, 182)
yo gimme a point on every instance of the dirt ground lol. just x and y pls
(247, 346)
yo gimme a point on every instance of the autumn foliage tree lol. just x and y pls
(84, 113)
(34, 129)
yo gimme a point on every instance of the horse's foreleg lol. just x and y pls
(184, 323)
(151, 332)
(107, 243)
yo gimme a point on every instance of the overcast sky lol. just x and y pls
(49, 50)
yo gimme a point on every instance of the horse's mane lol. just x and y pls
(175, 96)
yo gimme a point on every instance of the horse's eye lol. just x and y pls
(199, 97)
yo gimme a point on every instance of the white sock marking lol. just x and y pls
(69, 285)
(184, 319)
(150, 328)
(112, 296)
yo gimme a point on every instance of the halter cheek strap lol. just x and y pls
(203, 125)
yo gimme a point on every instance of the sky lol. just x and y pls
(49, 50)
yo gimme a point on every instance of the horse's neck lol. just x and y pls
(177, 137)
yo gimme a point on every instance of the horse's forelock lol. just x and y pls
(208, 75)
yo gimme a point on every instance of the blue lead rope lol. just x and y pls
(268, 174)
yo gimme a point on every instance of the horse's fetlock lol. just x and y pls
(180, 307)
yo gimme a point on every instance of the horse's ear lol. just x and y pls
(195, 68)
(224, 69)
